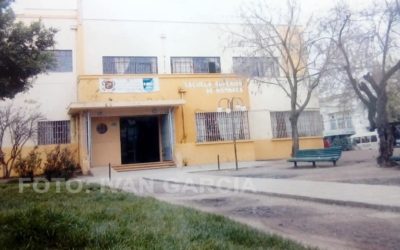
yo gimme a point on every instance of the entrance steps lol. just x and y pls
(144, 166)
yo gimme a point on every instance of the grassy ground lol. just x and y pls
(95, 219)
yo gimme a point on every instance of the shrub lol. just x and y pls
(60, 163)
(26, 166)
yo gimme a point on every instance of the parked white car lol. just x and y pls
(367, 140)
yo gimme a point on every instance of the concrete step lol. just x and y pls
(144, 166)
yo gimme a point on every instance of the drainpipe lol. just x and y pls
(182, 92)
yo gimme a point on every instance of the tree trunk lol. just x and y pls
(295, 133)
(3, 163)
(385, 131)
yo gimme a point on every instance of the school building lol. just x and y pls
(144, 91)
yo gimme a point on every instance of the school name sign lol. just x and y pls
(216, 87)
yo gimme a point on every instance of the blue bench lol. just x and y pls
(313, 155)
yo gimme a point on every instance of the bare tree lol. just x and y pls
(300, 53)
(368, 53)
(5, 117)
(394, 99)
(20, 125)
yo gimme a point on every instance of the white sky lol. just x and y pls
(174, 10)
(192, 10)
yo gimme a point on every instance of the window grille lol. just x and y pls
(217, 126)
(54, 132)
(340, 121)
(63, 61)
(309, 124)
(185, 65)
(256, 66)
(129, 65)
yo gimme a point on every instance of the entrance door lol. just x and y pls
(140, 141)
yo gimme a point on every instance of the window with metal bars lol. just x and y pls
(188, 65)
(63, 61)
(54, 132)
(340, 120)
(217, 126)
(309, 124)
(129, 65)
(256, 66)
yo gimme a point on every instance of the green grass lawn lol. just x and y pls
(93, 219)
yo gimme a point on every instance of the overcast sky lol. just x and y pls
(192, 10)
(176, 10)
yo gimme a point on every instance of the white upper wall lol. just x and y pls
(163, 40)
(139, 28)
(23, 5)
(54, 91)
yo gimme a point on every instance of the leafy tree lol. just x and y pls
(23, 51)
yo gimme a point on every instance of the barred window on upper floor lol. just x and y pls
(256, 66)
(340, 120)
(308, 124)
(63, 61)
(129, 65)
(54, 132)
(190, 65)
(217, 126)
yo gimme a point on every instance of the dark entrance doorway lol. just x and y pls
(140, 139)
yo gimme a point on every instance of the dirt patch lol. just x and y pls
(274, 211)
(213, 202)
(364, 234)
(361, 232)
(270, 176)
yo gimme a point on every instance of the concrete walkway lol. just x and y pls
(361, 195)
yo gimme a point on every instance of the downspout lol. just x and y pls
(171, 132)
(182, 92)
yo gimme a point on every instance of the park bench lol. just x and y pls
(313, 155)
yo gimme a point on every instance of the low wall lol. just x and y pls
(195, 154)
(281, 148)
(43, 149)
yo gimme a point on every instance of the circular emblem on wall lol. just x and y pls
(101, 128)
(108, 85)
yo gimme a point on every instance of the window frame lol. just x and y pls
(55, 68)
(195, 66)
(281, 127)
(217, 126)
(133, 60)
(268, 71)
(57, 135)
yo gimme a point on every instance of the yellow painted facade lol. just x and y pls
(281, 148)
(43, 150)
(199, 93)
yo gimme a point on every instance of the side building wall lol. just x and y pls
(51, 93)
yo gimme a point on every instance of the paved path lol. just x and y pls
(373, 196)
